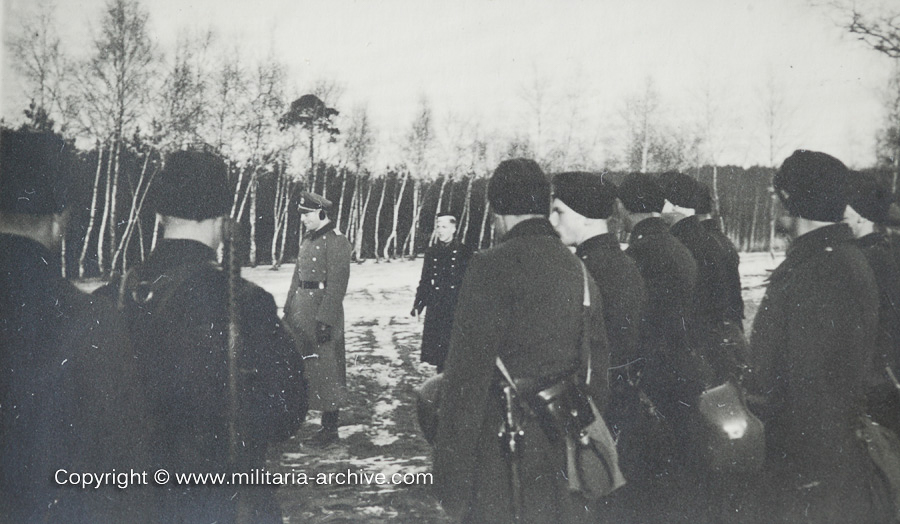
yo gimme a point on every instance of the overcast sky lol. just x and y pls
(475, 59)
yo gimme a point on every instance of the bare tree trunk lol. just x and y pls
(155, 233)
(362, 222)
(254, 185)
(237, 194)
(378, 218)
(340, 213)
(753, 221)
(137, 200)
(417, 210)
(484, 218)
(392, 239)
(140, 232)
(246, 197)
(466, 217)
(101, 237)
(715, 190)
(279, 207)
(91, 221)
(772, 225)
(113, 224)
(62, 256)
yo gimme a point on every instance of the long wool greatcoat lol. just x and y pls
(521, 300)
(883, 399)
(812, 341)
(624, 299)
(442, 274)
(68, 394)
(317, 295)
(716, 328)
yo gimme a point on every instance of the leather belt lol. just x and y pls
(310, 284)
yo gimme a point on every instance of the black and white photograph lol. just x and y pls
(475, 261)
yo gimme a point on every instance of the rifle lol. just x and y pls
(511, 436)
(233, 271)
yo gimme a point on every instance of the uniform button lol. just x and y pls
(314, 259)
(829, 249)
(452, 287)
(318, 247)
(314, 270)
(310, 293)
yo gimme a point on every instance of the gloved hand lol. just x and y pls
(323, 332)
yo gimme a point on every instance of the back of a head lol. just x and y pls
(588, 194)
(35, 173)
(641, 193)
(680, 189)
(192, 185)
(812, 185)
(519, 187)
(870, 196)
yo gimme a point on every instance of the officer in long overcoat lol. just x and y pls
(716, 329)
(582, 204)
(315, 311)
(187, 315)
(442, 273)
(656, 451)
(868, 214)
(69, 398)
(812, 341)
(522, 301)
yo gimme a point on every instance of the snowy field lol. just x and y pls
(379, 433)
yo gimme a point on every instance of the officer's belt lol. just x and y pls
(310, 284)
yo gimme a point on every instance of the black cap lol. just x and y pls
(307, 202)
(811, 185)
(35, 173)
(519, 187)
(679, 189)
(870, 196)
(704, 202)
(641, 193)
(192, 185)
(588, 194)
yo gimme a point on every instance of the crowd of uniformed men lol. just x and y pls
(181, 364)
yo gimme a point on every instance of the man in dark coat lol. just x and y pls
(315, 311)
(221, 373)
(733, 301)
(442, 274)
(812, 343)
(69, 402)
(582, 204)
(716, 327)
(522, 301)
(656, 450)
(870, 211)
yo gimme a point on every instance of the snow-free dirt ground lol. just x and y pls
(379, 433)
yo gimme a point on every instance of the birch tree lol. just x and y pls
(122, 69)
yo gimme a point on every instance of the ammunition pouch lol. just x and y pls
(562, 407)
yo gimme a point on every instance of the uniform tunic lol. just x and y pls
(317, 295)
(812, 339)
(69, 397)
(521, 300)
(442, 274)
(182, 350)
